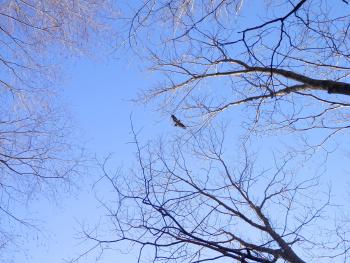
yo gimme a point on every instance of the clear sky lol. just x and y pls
(97, 94)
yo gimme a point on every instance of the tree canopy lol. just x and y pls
(35, 148)
(287, 61)
(203, 193)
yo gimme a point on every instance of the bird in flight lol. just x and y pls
(177, 122)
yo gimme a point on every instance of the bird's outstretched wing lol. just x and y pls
(177, 122)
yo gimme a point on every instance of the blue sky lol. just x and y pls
(98, 96)
(97, 93)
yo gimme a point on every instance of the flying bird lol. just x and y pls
(177, 122)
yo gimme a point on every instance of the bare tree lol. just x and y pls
(189, 201)
(35, 149)
(197, 203)
(286, 61)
